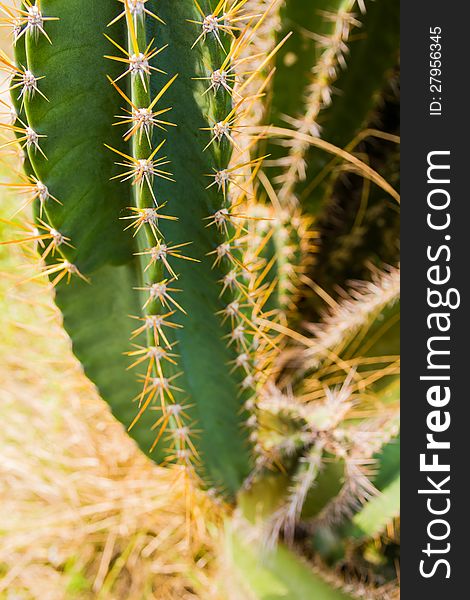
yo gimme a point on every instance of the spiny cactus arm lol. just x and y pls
(203, 146)
(374, 44)
(343, 36)
(98, 333)
(308, 21)
(315, 53)
(233, 284)
(344, 336)
(288, 252)
(301, 438)
(76, 120)
(280, 574)
(316, 481)
(373, 465)
(295, 244)
(372, 518)
(363, 324)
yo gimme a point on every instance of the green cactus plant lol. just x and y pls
(173, 227)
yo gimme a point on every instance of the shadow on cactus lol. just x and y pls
(177, 227)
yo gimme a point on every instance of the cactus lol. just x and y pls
(173, 228)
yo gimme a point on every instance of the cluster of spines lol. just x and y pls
(26, 20)
(361, 466)
(307, 432)
(143, 119)
(356, 309)
(30, 21)
(333, 49)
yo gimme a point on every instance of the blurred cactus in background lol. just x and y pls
(201, 181)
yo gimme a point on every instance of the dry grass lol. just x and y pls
(83, 513)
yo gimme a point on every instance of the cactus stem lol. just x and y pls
(247, 299)
(140, 118)
(318, 96)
